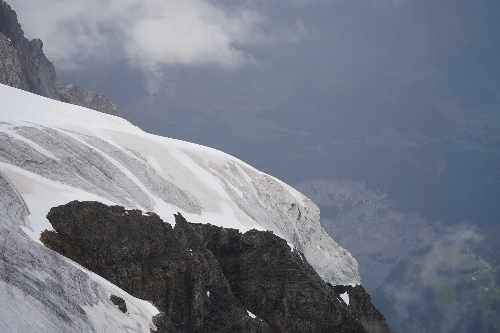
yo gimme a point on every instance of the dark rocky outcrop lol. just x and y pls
(205, 278)
(362, 308)
(150, 260)
(119, 302)
(75, 95)
(163, 324)
(23, 63)
(276, 284)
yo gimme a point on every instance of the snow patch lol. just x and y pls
(345, 297)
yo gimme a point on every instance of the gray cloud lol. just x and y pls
(149, 33)
(427, 274)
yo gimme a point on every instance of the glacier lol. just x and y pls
(52, 153)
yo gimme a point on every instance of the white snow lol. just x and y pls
(345, 297)
(205, 185)
(251, 314)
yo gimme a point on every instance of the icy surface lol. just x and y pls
(52, 153)
(345, 297)
(42, 291)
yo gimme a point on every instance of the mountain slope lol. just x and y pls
(61, 152)
(52, 153)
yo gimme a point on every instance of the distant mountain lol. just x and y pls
(237, 278)
(369, 225)
(23, 65)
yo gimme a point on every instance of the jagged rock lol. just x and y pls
(10, 68)
(119, 302)
(145, 256)
(23, 65)
(275, 283)
(204, 278)
(362, 308)
(75, 95)
(163, 323)
(27, 68)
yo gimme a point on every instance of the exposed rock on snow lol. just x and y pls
(176, 268)
(75, 95)
(151, 260)
(119, 302)
(275, 283)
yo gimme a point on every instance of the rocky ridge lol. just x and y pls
(76, 95)
(206, 278)
(23, 65)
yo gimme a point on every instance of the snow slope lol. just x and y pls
(52, 153)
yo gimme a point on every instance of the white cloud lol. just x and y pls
(190, 32)
(150, 33)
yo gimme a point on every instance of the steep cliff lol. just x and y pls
(27, 68)
(145, 257)
(206, 278)
(23, 65)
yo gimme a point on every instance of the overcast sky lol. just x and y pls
(251, 54)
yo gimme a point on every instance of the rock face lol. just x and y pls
(75, 95)
(276, 284)
(205, 278)
(362, 308)
(149, 259)
(23, 65)
(10, 68)
(23, 62)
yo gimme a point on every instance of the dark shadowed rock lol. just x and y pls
(147, 258)
(119, 302)
(275, 283)
(206, 278)
(360, 305)
(75, 95)
(163, 324)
